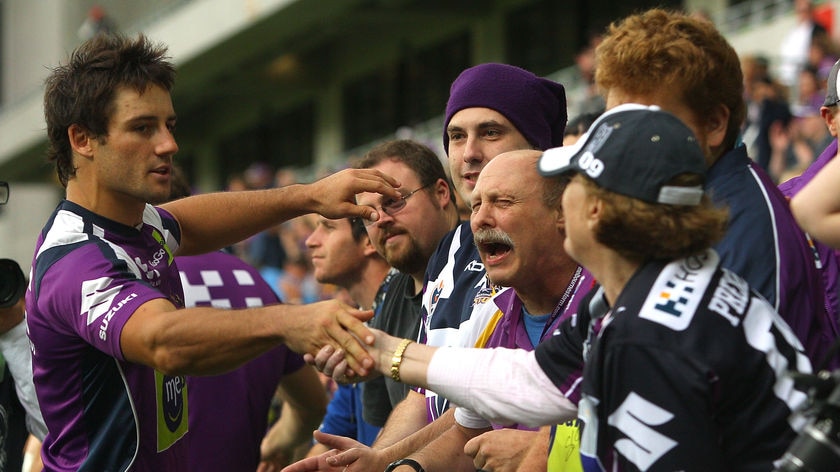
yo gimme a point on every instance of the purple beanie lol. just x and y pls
(536, 106)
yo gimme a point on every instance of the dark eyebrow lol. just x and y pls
(481, 125)
(147, 118)
(450, 129)
(490, 123)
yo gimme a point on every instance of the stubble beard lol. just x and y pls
(410, 260)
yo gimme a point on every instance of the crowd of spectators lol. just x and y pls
(786, 126)
(784, 129)
(280, 252)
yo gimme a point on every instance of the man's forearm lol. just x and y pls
(446, 452)
(410, 445)
(215, 220)
(406, 419)
(304, 405)
(207, 341)
(471, 378)
(212, 221)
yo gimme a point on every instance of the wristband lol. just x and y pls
(409, 462)
(397, 359)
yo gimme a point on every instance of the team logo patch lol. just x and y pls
(638, 418)
(677, 292)
(484, 291)
(172, 411)
(435, 297)
(474, 266)
(100, 302)
(97, 297)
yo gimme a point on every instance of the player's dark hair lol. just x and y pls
(82, 91)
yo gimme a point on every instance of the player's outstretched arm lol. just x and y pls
(207, 341)
(215, 220)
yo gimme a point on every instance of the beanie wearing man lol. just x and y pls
(536, 106)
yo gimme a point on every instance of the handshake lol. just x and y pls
(403, 360)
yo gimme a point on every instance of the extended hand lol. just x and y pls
(335, 195)
(501, 450)
(334, 362)
(355, 456)
(327, 461)
(311, 464)
(332, 323)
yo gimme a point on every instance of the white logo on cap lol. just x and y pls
(591, 164)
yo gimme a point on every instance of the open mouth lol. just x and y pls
(493, 251)
(493, 244)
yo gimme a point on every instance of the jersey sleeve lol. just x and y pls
(103, 290)
(489, 382)
(470, 419)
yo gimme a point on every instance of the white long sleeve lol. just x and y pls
(14, 345)
(504, 386)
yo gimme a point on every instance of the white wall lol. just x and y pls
(22, 219)
(32, 41)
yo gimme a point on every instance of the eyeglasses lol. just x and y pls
(392, 206)
(4, 193)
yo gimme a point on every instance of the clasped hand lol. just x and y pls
(333, 362)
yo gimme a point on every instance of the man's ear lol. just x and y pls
(828, 117)
(717, 124)
(368, 249)
(559, 220)
(80, 140)
(595, 208)
(443, 193)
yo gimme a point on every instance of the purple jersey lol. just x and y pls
(89, 275)
(766, 247)
(828, 259)
(229, 413)
(501, 324)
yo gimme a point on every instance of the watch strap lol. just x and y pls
(409, 462)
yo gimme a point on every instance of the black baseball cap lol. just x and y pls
(832, 95)
(634, 150)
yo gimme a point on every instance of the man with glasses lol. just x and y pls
(492, 108)
(406, 235)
